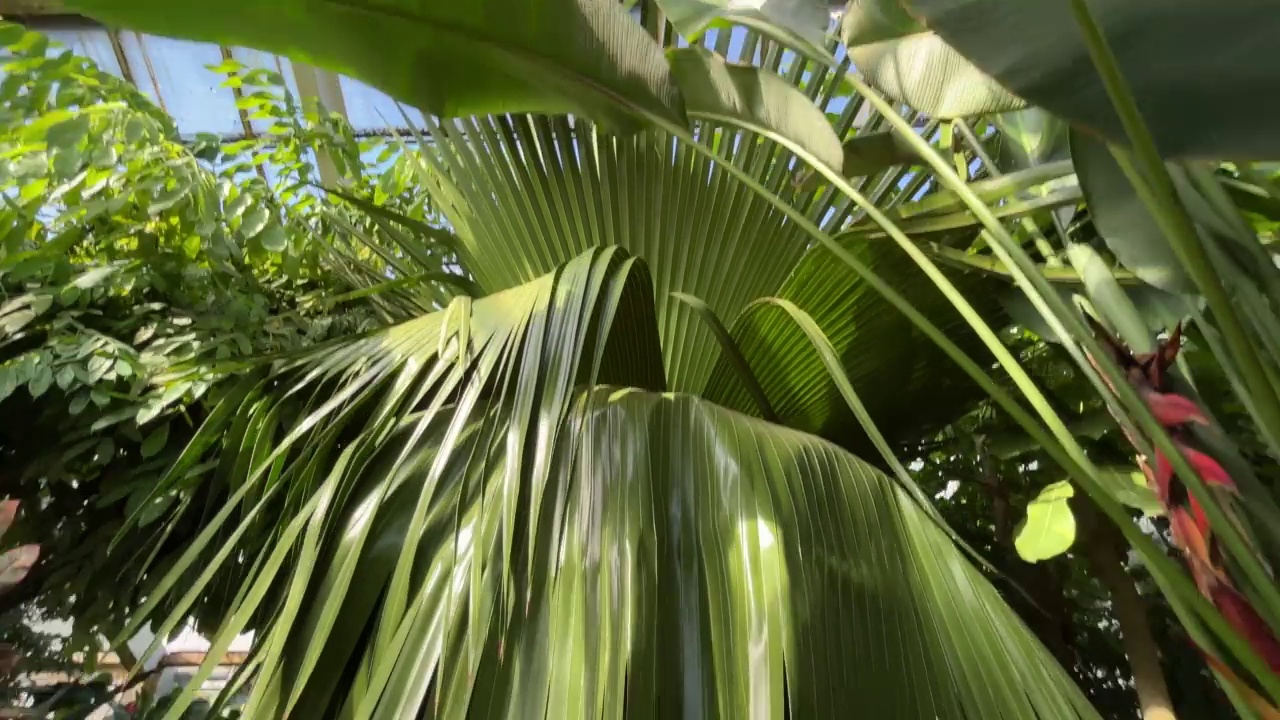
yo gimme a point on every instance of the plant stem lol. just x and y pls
(1042, 244)
(1151, 179)
(991, 264)
(1102, 546)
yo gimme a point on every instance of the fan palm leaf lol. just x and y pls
(499, 509)
(468, 514)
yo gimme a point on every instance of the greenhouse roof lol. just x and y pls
(178, 75)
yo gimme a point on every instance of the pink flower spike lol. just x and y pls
(1246, 621)
(1172, 410)
(1206, 467)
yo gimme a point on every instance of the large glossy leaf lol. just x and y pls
(750, 98)
(912, 65)
(800, 24)
(448, 58)
(1122, 218)
(1192, 67)
(490, 539)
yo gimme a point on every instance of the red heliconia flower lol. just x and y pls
(1173, 410)
(1246, 621)
(1215, 586)
(1190, 536)
(1145, 371)
(1148, 374)
(1206, 467)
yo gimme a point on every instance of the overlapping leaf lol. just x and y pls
(1191, 67)
(466, 530)
(500, 55)
(906, 382)
(800, 24)
(909, 63)
(532, 192)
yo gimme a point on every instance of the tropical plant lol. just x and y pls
(551, 499)
(133, 262)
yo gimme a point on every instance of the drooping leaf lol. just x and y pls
(800, 24)
(1123, 220)
(912, 65)
(1190, 67)
(1050, 527)
(612, 552)
(553, 56)
(753, 98)
(908, 386)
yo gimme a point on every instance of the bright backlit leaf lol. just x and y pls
(1050, 527)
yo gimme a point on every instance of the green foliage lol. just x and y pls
(498, 397)
(963, 58)
(138, 270)
(363, 518)
(915, 66)
(1049, 528)
(797, 24)
(548, 56)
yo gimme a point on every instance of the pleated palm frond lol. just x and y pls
(907, 384)
(527, 192)
(496, 510)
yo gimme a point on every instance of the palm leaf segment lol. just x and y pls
(527, 193)
(465, 516)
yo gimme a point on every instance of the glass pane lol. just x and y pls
(90, 42)
(372, 110)
(187, 89)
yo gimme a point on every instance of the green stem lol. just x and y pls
(993, 265)
(1046, 250)
(1151, 179)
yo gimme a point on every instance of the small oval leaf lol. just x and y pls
(1050, 527)
(155, 442)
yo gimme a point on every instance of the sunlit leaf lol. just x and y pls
(468, 554)
(1050, 527)
(552, 56)
(912, 65)
(1190, 67)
